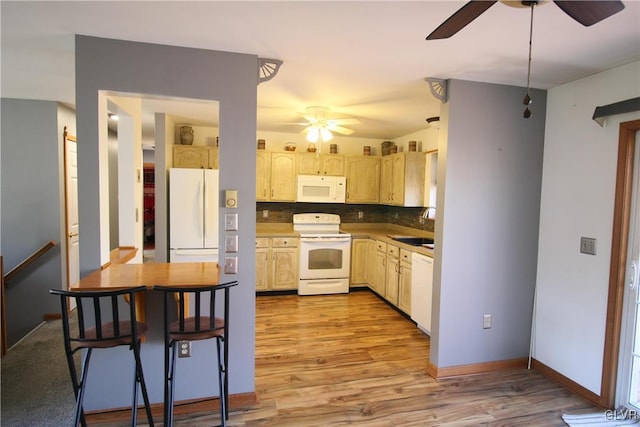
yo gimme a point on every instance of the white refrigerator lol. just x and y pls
(193, 215)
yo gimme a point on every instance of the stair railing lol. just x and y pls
(10, 275)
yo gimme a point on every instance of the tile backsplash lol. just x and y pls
(283, 212)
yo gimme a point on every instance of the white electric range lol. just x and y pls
(325, 254)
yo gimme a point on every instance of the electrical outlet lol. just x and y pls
(184, 348)
(265, 213)
(360, 214)
(486, 321)
(588, 245)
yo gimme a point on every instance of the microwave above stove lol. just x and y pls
(321, 189)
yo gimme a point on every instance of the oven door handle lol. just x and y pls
(324, 239)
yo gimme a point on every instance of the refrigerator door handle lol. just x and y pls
(201, 207)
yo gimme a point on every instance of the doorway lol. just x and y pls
(149, 212)
(628, 390)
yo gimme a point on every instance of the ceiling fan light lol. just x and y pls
(313, 134)
(325, 134)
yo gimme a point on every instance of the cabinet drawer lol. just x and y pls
(405, 255)
(393, 251)
(284, 242)
(381, 246)
(262, 242)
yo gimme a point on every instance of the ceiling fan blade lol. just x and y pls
(590, 12)
(460, 19)
(340, 130)
(348, 121)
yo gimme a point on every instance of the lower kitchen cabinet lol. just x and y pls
(404, 282)
(393, 273)
(276, 263)
(359, 264)
(378, 270)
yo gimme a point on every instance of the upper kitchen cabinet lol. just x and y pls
(402, 179)
(320, 164)
(275, 177)
(195, 156)
(363, 179)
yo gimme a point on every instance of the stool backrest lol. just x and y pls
(200, 321)
(101, 322)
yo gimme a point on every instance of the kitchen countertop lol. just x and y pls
(378, 231)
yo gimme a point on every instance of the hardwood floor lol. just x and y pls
(352, 360)
(339, 360)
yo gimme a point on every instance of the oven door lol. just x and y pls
(324, 257)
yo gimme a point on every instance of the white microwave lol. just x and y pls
(321, 189)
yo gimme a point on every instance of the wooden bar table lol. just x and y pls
(123, 276)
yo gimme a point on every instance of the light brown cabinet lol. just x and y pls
(276, 263)
(363, 179)
(402, 179)
(404, 282)
(320, 164)
(378, 269)
(195, 156)
(393, 272)
(275, 177)
(359, 252)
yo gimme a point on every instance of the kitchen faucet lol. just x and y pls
(425, 214)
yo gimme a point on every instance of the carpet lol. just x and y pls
(35, 383)
(609, 418)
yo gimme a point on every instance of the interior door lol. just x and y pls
(71, 209)
(629, 375)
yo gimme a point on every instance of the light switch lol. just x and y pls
(231, 222)
(231, 243)
(588, 245)
(231, 265)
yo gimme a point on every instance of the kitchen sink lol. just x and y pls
(414, 241)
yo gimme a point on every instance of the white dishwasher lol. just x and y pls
(421, 289)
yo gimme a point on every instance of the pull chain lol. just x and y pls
(527, 98)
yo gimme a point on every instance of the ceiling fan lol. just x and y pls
(587, 13)
(319, 126)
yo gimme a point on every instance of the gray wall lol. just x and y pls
(31, 207)
(489, 177)
(231, 79)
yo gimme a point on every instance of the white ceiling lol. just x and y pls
(363, 59)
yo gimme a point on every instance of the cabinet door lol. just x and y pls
(283, 177)
(263, 176)
(386, 179)
(391, 288)
(213, 157)
(404, 284)
(285, 268)
(363, 179)
(189, 156)
(332, 164)
(308, 164)
(397, 180)
(262, 269)
(359, 261)
(380, 268)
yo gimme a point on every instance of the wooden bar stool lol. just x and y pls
(102, 324)
(199, 326)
